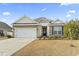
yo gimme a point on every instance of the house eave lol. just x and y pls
(25, 24)
(57, 24)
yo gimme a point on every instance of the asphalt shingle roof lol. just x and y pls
(42, 20)
(25, 20)
(5, 26)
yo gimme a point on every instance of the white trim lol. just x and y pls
(47, 30)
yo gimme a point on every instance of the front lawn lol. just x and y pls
(50, 48)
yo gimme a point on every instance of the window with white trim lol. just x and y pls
(57, 30)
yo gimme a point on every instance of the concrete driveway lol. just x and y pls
(10, 46)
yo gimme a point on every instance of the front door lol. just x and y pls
(44, 30)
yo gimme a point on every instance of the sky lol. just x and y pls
(10, 12)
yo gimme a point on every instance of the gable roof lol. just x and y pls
(5, 26)
(25, 20)
(57, 21)
(42, 20)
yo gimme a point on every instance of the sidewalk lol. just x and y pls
(10, 46)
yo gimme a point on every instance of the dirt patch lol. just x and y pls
(50, 48)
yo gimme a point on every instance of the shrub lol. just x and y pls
(9, 36)
(71, 29)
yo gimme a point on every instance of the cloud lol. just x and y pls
(65, 4)
(70, 13)
(44, 9)
(6, 13)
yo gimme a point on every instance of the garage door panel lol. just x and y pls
(25, 32)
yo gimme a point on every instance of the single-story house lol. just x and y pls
(26, 27)
(5, 29)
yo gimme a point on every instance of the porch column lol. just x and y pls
(50, 31)
(47, 30)
(39, 31)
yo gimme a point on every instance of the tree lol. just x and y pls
(72, 27)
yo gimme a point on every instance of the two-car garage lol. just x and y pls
(27, 32)
(25, 28)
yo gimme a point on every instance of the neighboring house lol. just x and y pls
(5, 29)
(26, 27)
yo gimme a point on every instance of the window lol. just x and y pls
(57, 30)
(60, 32)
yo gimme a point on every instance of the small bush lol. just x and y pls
(56, 37)
(9, 36)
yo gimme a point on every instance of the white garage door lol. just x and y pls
(25, 32)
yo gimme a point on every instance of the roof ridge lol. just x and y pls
(25, 19)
